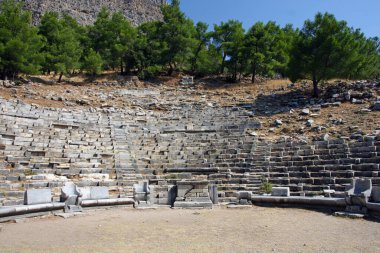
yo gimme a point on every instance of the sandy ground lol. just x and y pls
(219, 230)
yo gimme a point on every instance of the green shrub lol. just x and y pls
(150, 72)
(266, 187)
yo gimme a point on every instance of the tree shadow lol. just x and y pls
(277, 102)
(36, 79)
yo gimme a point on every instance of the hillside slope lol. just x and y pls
(85, 11)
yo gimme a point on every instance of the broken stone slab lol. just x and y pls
(37, 196)
(281, 191)
(350, 215)
(244, 195)
(305, 112)
(375, 195)
(184, 204)
(376, 106)
(73, 209)
(100, 192)
(213, 191)
(94, 193)
(310, 123)
(277, 122)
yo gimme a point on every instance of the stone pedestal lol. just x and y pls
(193, 194)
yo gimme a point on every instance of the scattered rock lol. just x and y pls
(309, 123)
(356, 101)
(7, 83)
(277, 122)
(325, 137)
(252, 133)
(305, 112)
(82, 102)
(376, 106)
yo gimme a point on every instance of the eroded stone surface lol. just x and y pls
(85, 11)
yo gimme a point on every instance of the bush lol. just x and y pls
(93, 63)
(266, 187)
(150, 72)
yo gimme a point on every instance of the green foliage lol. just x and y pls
(176, 34)
(207, 62)
(62, 50)
(263, 46)
(93, 63)
(150, 72)
(266, 186)
(19, 42)
(326, 48)
(228, 37)
(113, 37)
(323, 49)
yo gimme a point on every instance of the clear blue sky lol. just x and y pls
(363, 14)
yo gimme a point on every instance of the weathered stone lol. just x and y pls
(37, 196)
(305, 112)
(376, 106)
(281, 191)
(278, 122)
(309, 122)
(137, 11)
(99, 192)
(375, 195)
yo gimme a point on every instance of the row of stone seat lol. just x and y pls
(160, 145)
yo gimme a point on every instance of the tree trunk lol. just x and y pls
(235, 71)
(60, 77)
(254, 73)
(121, 67)
(195, 58)
(171, 69)
(315, 88)
(223, 61)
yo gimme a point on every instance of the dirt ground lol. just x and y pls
(255, 229)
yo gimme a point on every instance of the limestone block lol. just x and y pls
(85, 192)
(375, 196)
(37, 196)
(245, 195)
(99, 192)
(281, 191)
(213, 191)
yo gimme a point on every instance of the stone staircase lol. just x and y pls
(44, 147)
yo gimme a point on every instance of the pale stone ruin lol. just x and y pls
(187, 80)
(187, 157)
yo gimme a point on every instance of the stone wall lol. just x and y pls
(45, 147)
(85, 11)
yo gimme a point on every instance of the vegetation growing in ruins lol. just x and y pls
(266, 186)
(324, 48)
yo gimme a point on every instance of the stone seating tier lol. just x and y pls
(44, 148)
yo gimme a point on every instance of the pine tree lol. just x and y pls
(19, 42)
(263, 49)
(177, 36)
(113, 37)
(63, 50)
(326, 48)
(228, 37)
(93, 63)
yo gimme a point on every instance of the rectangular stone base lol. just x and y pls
(350, 215)
(187, 204)
(73, 209)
